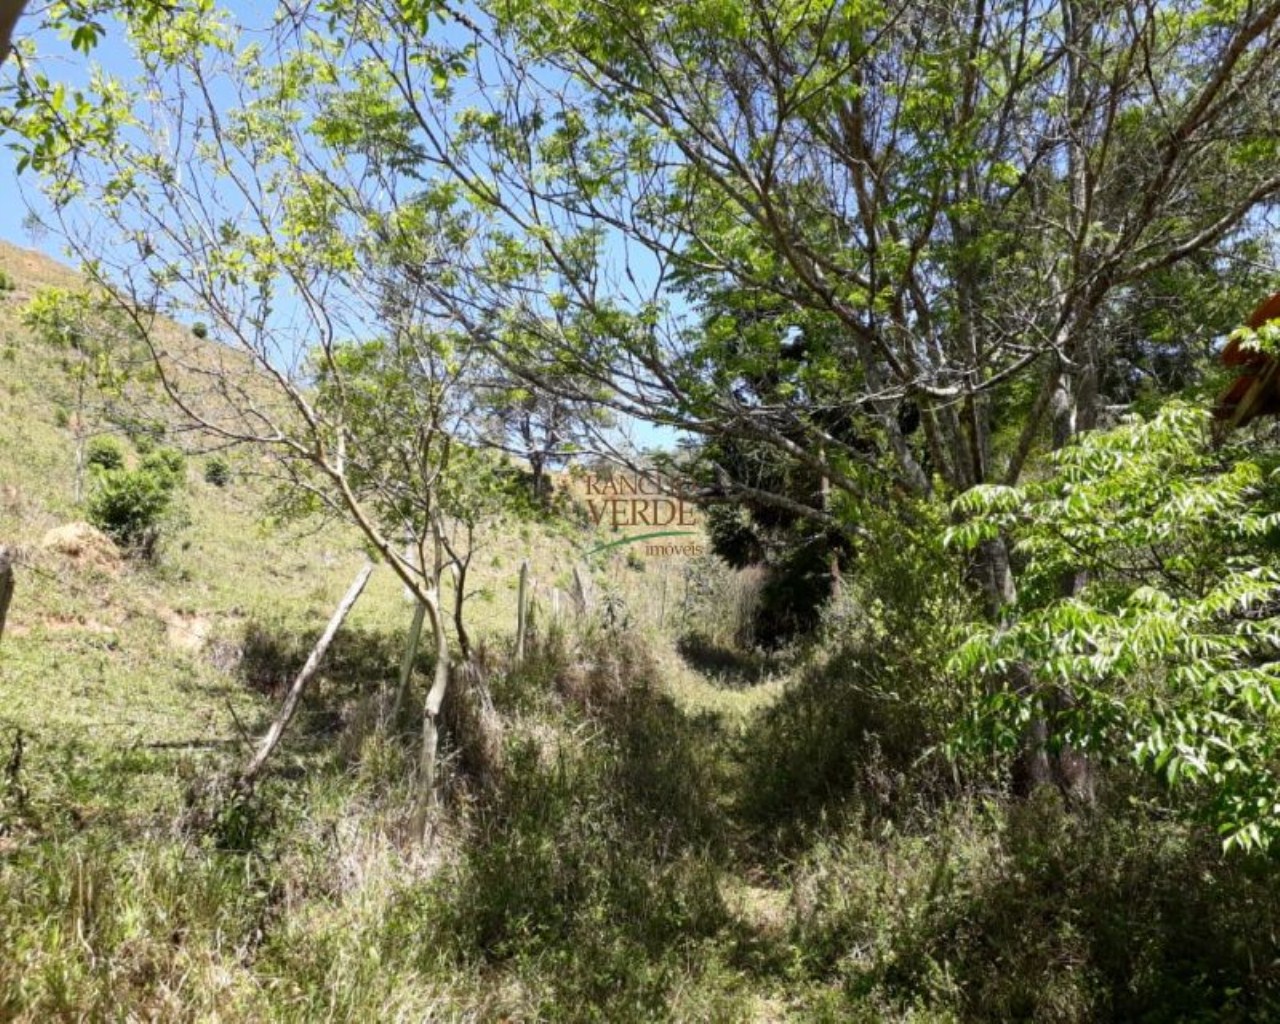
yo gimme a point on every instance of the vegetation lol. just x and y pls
(217, 471)
(105, 453)
(132, 505)
(960, 701)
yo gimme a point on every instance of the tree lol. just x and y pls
(540, 427)
(10, 12)
(298, 233)
(103, 361)
(873, 170)
(950, 205)
(1169, 649)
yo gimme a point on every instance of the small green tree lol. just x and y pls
(217, 471)
(102, 352)
(105, 453)
(1148, 612)
(166, 462)
(133, 506)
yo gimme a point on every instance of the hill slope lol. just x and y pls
(126, 689)
(223, 573)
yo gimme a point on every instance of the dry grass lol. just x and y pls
(127, 682)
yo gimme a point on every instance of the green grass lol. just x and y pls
(661, 825)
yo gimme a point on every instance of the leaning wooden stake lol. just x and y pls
(522, 610)
(406, 664)
(269, 741)
(6, 584)
(581, 592)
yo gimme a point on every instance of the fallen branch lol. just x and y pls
(269, 741)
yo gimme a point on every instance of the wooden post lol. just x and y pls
(1253, 398)
(7, 557)
(269, 741)
(581, 592)
(522, 610)
(406, 663)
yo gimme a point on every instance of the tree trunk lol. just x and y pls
(269, 741)
(994, 577)
(7, 558)
(460, 568)
(10, 11)
(431, 721)
(537, 466)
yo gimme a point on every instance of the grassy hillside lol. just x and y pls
(651, 821)
(123, 685)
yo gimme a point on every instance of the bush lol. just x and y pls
(1168, 642)
(217, 471)
(200, 330)
(166, 462)
(851, 738)
(105, 453)
(590, 872)
(1029, 912)
(6, 282)
(130, 506)
(144, 434)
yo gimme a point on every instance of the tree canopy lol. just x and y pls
(868, 258)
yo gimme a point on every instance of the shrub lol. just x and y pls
(105, 453)
(1168, 642)
(217, 471)
(144, 434)
(6, 282)
(166, 462)
(130, 506)
(1030, 912)
(200, 330)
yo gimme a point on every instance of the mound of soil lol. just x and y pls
(84, 544)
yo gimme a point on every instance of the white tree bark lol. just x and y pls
(431, 720)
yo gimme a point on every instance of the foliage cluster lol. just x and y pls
(105, 453)
(217, 471)
(133, 506)
(1146, 611)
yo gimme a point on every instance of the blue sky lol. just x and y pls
(19, 196)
